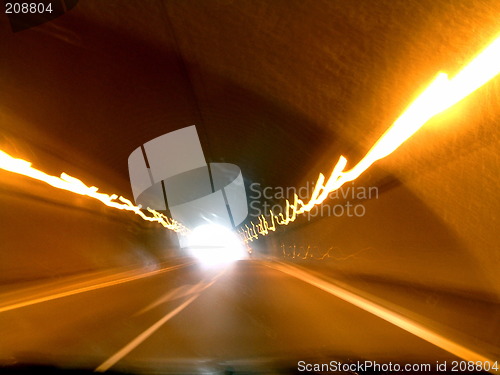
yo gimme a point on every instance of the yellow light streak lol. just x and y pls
(125, 278)
(74, 185)
(440, 95)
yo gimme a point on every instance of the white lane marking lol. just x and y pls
(384, 313)
(176, 293)
(88, 288)
(180, 292)
(144, 335)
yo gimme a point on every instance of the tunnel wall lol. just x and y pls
(46, 233)
(79, 97)
(433, 225)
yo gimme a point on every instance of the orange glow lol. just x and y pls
(74, 185)
(440, 95)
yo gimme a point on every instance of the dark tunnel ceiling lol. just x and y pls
(271, 85)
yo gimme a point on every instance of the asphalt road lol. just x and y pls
(191, 316)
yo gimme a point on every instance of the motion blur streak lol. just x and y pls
(386, 314)
(132, 277)
(74, 185)
(440, 95)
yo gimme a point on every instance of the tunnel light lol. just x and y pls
(440, 95)
(74, 185)
(215, 245)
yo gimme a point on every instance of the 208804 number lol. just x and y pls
(466, 366)
(26, 8)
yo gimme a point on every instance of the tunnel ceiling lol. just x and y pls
(276, 87)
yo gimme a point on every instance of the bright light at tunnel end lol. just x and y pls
(215, 245)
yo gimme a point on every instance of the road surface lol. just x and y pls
(189, 316)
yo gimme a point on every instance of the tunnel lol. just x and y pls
(165, 136)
